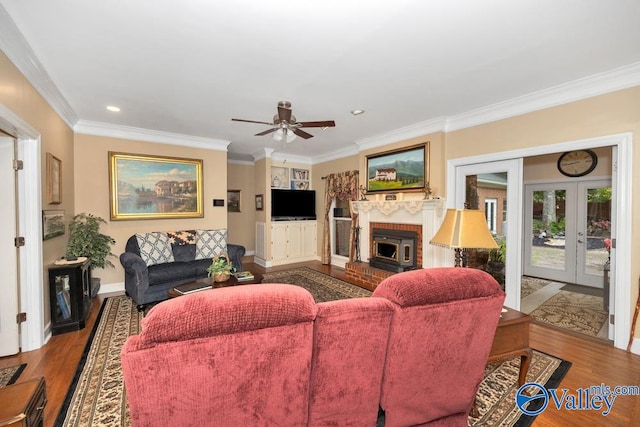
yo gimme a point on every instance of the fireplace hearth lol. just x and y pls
(393, 250)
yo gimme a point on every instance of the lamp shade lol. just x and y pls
(464, 229)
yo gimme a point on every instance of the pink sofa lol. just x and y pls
(265, 355)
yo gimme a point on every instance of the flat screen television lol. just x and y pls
(291, 205)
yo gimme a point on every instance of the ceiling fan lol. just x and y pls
(285, 125)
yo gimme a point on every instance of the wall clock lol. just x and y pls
(577, 163)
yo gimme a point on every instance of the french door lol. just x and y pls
(569, 228)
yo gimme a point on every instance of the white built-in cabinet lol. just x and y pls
(293, 241)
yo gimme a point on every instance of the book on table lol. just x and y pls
(243, 276)
(189, 288)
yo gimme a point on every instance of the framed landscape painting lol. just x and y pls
(406, 169)
(154, 187)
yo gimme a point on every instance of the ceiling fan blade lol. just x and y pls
(302, 134)
(252, 121)
(322, 124)
(284, 114)
(266, 132)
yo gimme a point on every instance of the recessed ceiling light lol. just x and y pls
(357, 112)
(113, 108)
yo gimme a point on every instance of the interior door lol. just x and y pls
(510, 221)
(9, 331)
(568, 225)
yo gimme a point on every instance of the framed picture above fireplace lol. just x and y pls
(406, 169)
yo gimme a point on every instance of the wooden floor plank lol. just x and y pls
(594, 362)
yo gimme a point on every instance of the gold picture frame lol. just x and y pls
(154, 187)
(54, 179)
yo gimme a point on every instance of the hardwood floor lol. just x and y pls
(594, 363)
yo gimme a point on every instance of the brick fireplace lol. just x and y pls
(420, 216)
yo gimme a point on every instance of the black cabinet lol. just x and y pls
(70, 296)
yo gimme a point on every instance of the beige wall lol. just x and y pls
(240, 224)
(545, 167)
(92, 190)
(17, 94)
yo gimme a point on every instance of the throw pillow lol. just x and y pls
(155, 248)
(210, 243)
(184, 237)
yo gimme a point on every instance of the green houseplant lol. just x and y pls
(220, 268)
(86, 240)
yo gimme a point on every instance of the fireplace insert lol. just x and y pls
(393, 250)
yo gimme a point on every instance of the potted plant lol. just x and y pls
(86, 240)
(220, 268)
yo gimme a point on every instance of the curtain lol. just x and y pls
(340, 186)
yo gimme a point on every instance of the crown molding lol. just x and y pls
(335, 155)
(16, 48)
(597, 84)
(284, 157)
(240, 162)
(148, 135)
(265, 154)
(407, 132)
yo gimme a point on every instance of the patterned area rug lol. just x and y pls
(323, 287)
(495, 399)
(531, 284)
(10, 374)
(97, 397)
(576, 312)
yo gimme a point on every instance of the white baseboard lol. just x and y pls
(111, 288)
(635, 346)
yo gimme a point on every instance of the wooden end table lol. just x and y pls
(23, 403)
(173, 292)
(512, 339)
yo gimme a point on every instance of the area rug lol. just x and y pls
(10, 374)
(573, 311)
(97, 397)
(529, 285)
(495, 400)
(322, 286)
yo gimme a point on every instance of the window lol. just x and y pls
(490, 211)
(341, 228)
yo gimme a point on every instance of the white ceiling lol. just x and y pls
(187, 67)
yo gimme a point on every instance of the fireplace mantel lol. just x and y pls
(428, 213)
(387, 207)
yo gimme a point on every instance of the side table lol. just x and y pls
(23, 404)
(512, 339)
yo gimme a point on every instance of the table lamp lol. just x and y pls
(464, 229)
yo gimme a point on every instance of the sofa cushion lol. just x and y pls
(184, 253)
(210, 243)
(155, 248)
(171, 272)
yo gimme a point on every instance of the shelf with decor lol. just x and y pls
(300, 179)
(279, 177)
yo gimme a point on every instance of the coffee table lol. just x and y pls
(173, 292)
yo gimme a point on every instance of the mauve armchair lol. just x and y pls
(440, 339)
(349, 347)
(237, 356)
